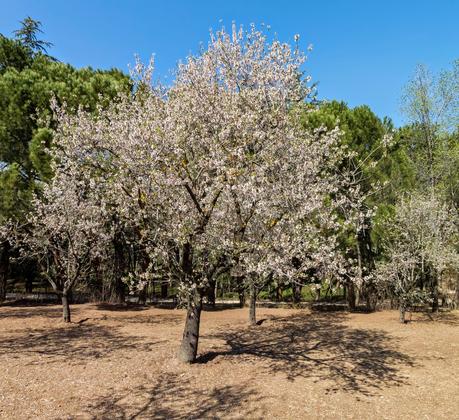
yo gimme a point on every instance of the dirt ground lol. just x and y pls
(118, 363)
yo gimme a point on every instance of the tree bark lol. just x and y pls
(371, 301)
(241, 298)
(211, 293)
(278, 293)
(117, 290)
(435, 303)
(253, 305)
(65, 307)
(317, 299)
(296, 293)
(4, 269)
(142, 299)
(117, 286)
(29, 284)
(239, 281)
(164, 290)
(351, 298)
(402, 310)
(189, 347)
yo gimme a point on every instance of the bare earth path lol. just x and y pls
(117, 363)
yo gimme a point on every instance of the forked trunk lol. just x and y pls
(65, 307)
(252, 307)
(189, 347)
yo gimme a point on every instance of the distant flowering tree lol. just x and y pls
(214, 172)
(65, 230)
(420, 246)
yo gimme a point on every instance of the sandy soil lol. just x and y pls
(117, 363)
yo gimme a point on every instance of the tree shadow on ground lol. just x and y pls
(121, 307)
(447, 318)
(318, 346)
(176, 397)
(26, 309)
(74, 344)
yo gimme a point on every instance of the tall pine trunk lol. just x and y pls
(65, 307)
(252, 306)
(189, 347)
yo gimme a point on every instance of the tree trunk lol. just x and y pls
(371, 301)
(29, 284)
(317, 299)
(278, 293)
(253, 305)
(402, 310)
(371, 297)
(296, 293)
(435, 303)
(4, 269)
(189, 347)
(239, 281)
(351, 296)
(211, 293)
(142, 300)
(117, 290)
(241, 298)
(65, 307)
(164, 290)
(117, 286)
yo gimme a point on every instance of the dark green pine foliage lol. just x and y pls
(381, 170)
(28, 80)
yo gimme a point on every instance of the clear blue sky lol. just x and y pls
(364, 51)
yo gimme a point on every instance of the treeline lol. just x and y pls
(232, 178)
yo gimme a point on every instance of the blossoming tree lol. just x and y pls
(213, 171)
(420, 247)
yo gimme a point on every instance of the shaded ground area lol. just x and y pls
(116, 362)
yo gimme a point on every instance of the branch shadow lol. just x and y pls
(26, 309)
(154, 319)
(73, 344)
(319, 346)
(447, 318)
(175, 397)
(121, 307)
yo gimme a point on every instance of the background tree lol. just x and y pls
(65, 231)
(421, 243)
(376, 163)
(431, 104)
(28, 81)
(27, 35)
